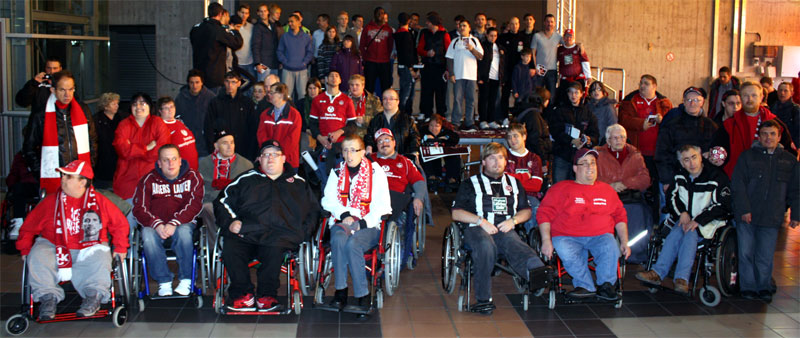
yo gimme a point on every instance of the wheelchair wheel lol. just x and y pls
(203, 261)
(525, 302)
(519, 284)
(726, 264)
(551, 301)
(379, 299)
(451, 244)
(535, 239)
(198, 301)
(306, 268)
(219, 284)
(297, 302)
(710, 296)
(461, 304)
(319, 294)
(119, 316)
(393, 259)
(419, 236)
(17, 324)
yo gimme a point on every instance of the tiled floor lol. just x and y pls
(421, 309)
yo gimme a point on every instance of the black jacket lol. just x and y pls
(282, 212)
(711, 190)
(34, 95)
(404, 129)
(446, 137)
(209, 49)
(485, 64)
(676, 132)
(763, 184)
(264, 44)
(538, 138)
(789, 113)
(434, 41)
(513, 44)
(579, 117)
(106, 163)
(237, 115)
(67, 150)
(406, 47)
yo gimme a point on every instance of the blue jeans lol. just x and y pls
(681, 245)
(756, 250)
(574, 255)
(156, 255)
(348, 251)
(562, 170)
(406, 88)
(464, 90)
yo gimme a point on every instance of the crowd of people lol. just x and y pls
(277, 123)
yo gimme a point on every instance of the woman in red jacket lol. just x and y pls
(285, 127)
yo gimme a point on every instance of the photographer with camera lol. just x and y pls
(37, 90)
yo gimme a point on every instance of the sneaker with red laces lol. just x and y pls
(268, 304)
(243, 303)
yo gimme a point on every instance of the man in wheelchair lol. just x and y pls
(579, 217)
(263, 213)
(698, 201)
(357, 195)
(65, 250)
(493, 203)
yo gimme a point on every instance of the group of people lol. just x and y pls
(232, 158)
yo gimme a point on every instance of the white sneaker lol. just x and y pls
(505, 121)
(184, 287)
(494, 125)
(13, 231)
(484, 125)
(165, 289)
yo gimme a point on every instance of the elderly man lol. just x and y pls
(765, 180)
(263, 213)
(491, 204)
(399, 122)
(60, 252)
(698, 204)
(166, 201)
(623, 167)
(578, 218)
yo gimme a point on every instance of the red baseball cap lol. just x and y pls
(383, 131)
(569, 32)
(78, 167)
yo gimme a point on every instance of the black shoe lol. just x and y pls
(607, 292)
(361, 306)
(580, 293)
(484, 307)
(540, 278)
(339, 300)
(751, 295)
(765, 295)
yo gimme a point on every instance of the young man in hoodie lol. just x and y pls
(165, 204)
(295, 52)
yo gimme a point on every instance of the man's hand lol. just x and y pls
(160, 231)
(169, 229)
(647, 125)
(794, 224)
(488, 227)
(260, 67)
(715, 161)
(547, 248)
(506, 226)
(453, 78)
(151, 145)
(23, 258)
(334, 135)
(360, 121)
(418, 207)
(685, 218)
(690, 226)
(625, 250)
(235, 226)
(532, 72)
(324, 141)
(576, 142)
(748, 217)
(348, 220)
(431, 53)
(368, 150)
(40, 77)
(618, 186)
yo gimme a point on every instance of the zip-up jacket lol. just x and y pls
(236, 115)
(264, 44)
(33, 134)
(764, 184)
(159, 200)
(210, 43)
(706, 198)
(133, 158)
(286, 130)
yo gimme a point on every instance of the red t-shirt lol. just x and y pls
(400, 171)
(647, 138)
(184, 139)
(527, 168)
(332, 112)
(569, 61)
(580, 210)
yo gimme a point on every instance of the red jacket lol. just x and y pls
(579, 210)
(632, 172)
(158, 200)
(286, 131)
(40, 222)
(376, 48)
(134, 160)
(741, 136)
(529, 163)
(632, 113)
(184, 139)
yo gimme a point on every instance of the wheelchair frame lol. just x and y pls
(556, 286)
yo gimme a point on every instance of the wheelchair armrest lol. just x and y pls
(325, 214)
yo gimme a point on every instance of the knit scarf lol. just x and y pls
(222, 170)
(70, 227)
(359, 102)
(49, 179)
(358, 193)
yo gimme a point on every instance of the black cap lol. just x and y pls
(270, 144)
(220, 134)
(698, 91)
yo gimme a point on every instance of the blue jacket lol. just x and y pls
(521, 81)
(295, 51)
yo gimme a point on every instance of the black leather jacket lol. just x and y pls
(402, 126)
(34, 132)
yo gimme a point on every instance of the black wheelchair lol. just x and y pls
(560, 273)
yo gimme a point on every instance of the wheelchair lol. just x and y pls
(457, 262)
(117, 309)
(383, 262)
(293, 266)
(557, 284)
(140, 284)
(413, 243)
(717, 255)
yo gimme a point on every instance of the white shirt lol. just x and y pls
(546, 49)
(494, 67)
(318, 36)
(465, 65)
(244, 54)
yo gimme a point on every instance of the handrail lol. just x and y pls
(622, 70)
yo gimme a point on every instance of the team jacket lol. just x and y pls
(185, 140)
(281, 212)
(158, 200)
(133, 158)
(633, 111)
(495, 199)
(286, 130)
(580, 210)
(707, 198)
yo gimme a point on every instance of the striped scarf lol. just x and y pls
(49, 178)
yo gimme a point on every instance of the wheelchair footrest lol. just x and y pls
(326, 307)
(62, 317)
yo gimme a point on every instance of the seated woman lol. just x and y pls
(437, 135)
(697, 202)
(357, 195)
(622, 166)
(525, 166)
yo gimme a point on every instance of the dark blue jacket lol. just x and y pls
(521, 81)
(264, 44)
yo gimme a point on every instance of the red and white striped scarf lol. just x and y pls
(49, 179)
(358, 193)
(70, 228)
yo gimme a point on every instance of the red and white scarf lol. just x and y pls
(49, 178)
(222, 170)
(69, 229)
(358, 193)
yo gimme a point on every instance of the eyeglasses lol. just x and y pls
(271, 155)
(693, 100)
(274, 93)
(351, 151)
(390, 99)
(386, 140)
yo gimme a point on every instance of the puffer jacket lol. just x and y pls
(33, 135)
(763, 184)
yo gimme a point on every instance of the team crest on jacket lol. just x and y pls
(183, 131)
(330, 109)
(399, 165)
(508, 188)
(290, 180)
(385, 168)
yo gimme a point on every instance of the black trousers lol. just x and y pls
(237, 254)
(374, 70)
(452, 166)
(654, 200)
(432, 86)
(487, 102)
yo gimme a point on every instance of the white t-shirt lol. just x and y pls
(494, 67)
(244, 54)
(546, 49)
(465, 65)
(318, 36)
